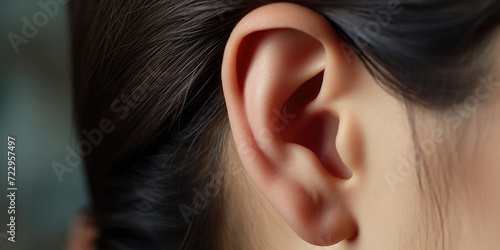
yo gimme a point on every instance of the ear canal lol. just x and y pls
(305, 94)
(315, 130)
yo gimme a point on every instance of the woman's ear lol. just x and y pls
(289, 94)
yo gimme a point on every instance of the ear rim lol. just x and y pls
(261, 19)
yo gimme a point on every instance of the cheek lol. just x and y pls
(387, 187)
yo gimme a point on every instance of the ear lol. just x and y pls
(286, 81)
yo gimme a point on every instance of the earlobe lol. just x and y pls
(282, 71)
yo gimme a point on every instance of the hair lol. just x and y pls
(149, 71)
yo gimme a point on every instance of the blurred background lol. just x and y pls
(36, 109)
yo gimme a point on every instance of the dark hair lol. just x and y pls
(150, 70)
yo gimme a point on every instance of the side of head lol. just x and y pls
(358, 123)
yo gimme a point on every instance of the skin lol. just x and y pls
(346, 187)
(81, 234)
